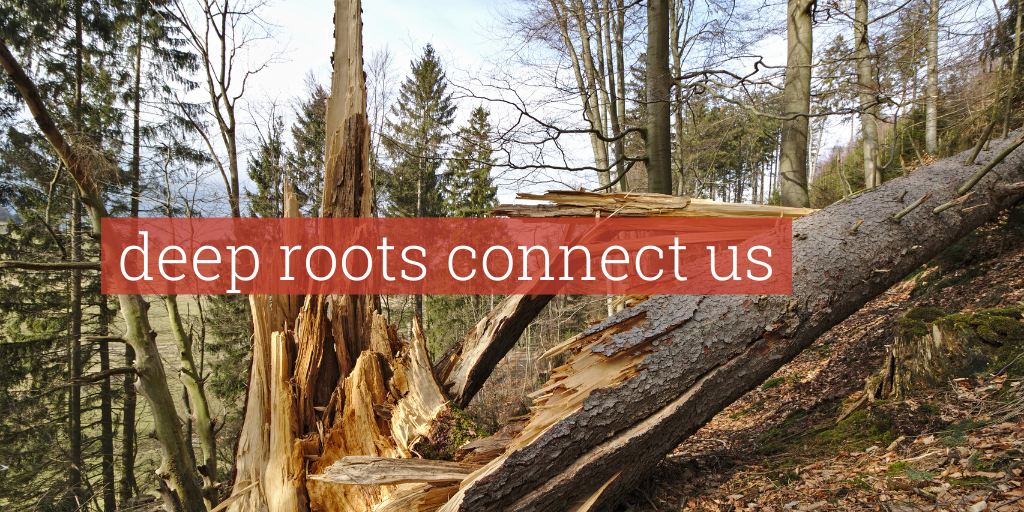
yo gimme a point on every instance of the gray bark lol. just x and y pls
(191, 375)
(106, 416)
(704, 352)
(127, 486)
(796, 100)
(75, 476)
(1013, 70)
(659, 87)
(931, 123)
(586, 82)
(868, 107)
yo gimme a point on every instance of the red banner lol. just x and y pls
(644, 256)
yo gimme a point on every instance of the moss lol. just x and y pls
(914, 324)
(1000, 328)
(772, 383)
(896, 469)
(861, 429)
(784, 478)
(1016, 312)
(450, 430)
(961, 279)
(925, 314)
(751, 407)
(970, 481)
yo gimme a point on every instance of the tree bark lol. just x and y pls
(464, 369)
(796, 100)
(106, 415)
(868, 104)
(586, 83)
(931, 122)
(678, 20)
(191, 375)
(76, 467)
(127, 486)
(1013, 69)
(659, 87)
(596, 89)
(644, 380)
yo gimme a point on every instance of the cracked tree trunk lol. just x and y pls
(331, 379)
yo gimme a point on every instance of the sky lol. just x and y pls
(461, 31)
(465, 33)
(456, 28)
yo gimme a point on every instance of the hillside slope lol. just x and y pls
(959, 447)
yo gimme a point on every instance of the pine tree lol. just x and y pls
(267, 172)
(305, 163)
(469, 190)
(422, 118)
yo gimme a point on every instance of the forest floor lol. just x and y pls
(779, 448)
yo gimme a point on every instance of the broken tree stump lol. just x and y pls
(932, 348)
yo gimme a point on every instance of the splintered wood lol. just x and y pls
(590, 204)
(357, 470)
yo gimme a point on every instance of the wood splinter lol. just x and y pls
(361, 470)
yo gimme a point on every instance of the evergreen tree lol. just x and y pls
(422, 118)
(305, 162)
(267, 172)
(469, 191)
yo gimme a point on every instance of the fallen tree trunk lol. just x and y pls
(465, 367)
(645, 379)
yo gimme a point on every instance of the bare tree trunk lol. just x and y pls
(678, 20)
(659, 87)
(586, 83)
(613, 50)
(191, 375)
(796, 99)
(106, 415)
(127, 486)
(868, 104)
(136, 172)
(1013, 70)
(643, 381)
(75, 401)
(931, 123)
